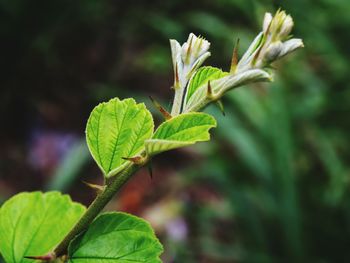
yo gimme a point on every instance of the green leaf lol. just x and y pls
(32, 224)
(221, 85)
(180, 131)
(202, 76)
(117, 129)
(116, 238)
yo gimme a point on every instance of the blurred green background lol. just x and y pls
(271, 186)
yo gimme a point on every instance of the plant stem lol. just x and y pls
(96, 207)
(112, 187)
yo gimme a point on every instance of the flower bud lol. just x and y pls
(273, 52)
(291, 45)
(186, 60)
(193, 48)
(281, 25)
(267, 22)
(286, 27)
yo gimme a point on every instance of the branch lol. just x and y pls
(271, 44)
(96, 207)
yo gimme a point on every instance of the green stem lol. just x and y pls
(96, 207)
(112, 187)
(102, 199)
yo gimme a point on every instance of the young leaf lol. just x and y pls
(180, 131)
(32, 224)
(117, 129)
(202, 76)
(221, 85)
(116, 238)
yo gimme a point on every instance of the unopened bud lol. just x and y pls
(291, 45)
(286, 27)
(186, 60)
(281, 25)
(273, 52)
(193, 48)
(267, 22)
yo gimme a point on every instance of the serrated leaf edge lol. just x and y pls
(210, 126)
(160, 247)
(127, 163)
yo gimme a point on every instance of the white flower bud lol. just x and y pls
(273, 52)
(281, 26)
(186, 60)
(267, 21)
(188, 57)
(286, 27)
(272, 46)
(290, 45)
(193, 48)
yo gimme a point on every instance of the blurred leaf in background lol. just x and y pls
(271, 186)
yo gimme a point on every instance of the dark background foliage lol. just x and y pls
(271, 186)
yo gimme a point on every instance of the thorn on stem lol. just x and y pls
(47, 257)
(98, 188)
(234, 60)
(150, 170)
(135, 159)
(221, 107)
(159, 107)
(209, 91)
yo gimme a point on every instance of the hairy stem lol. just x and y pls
(96, 207)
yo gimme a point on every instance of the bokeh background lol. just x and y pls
(273, 183)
